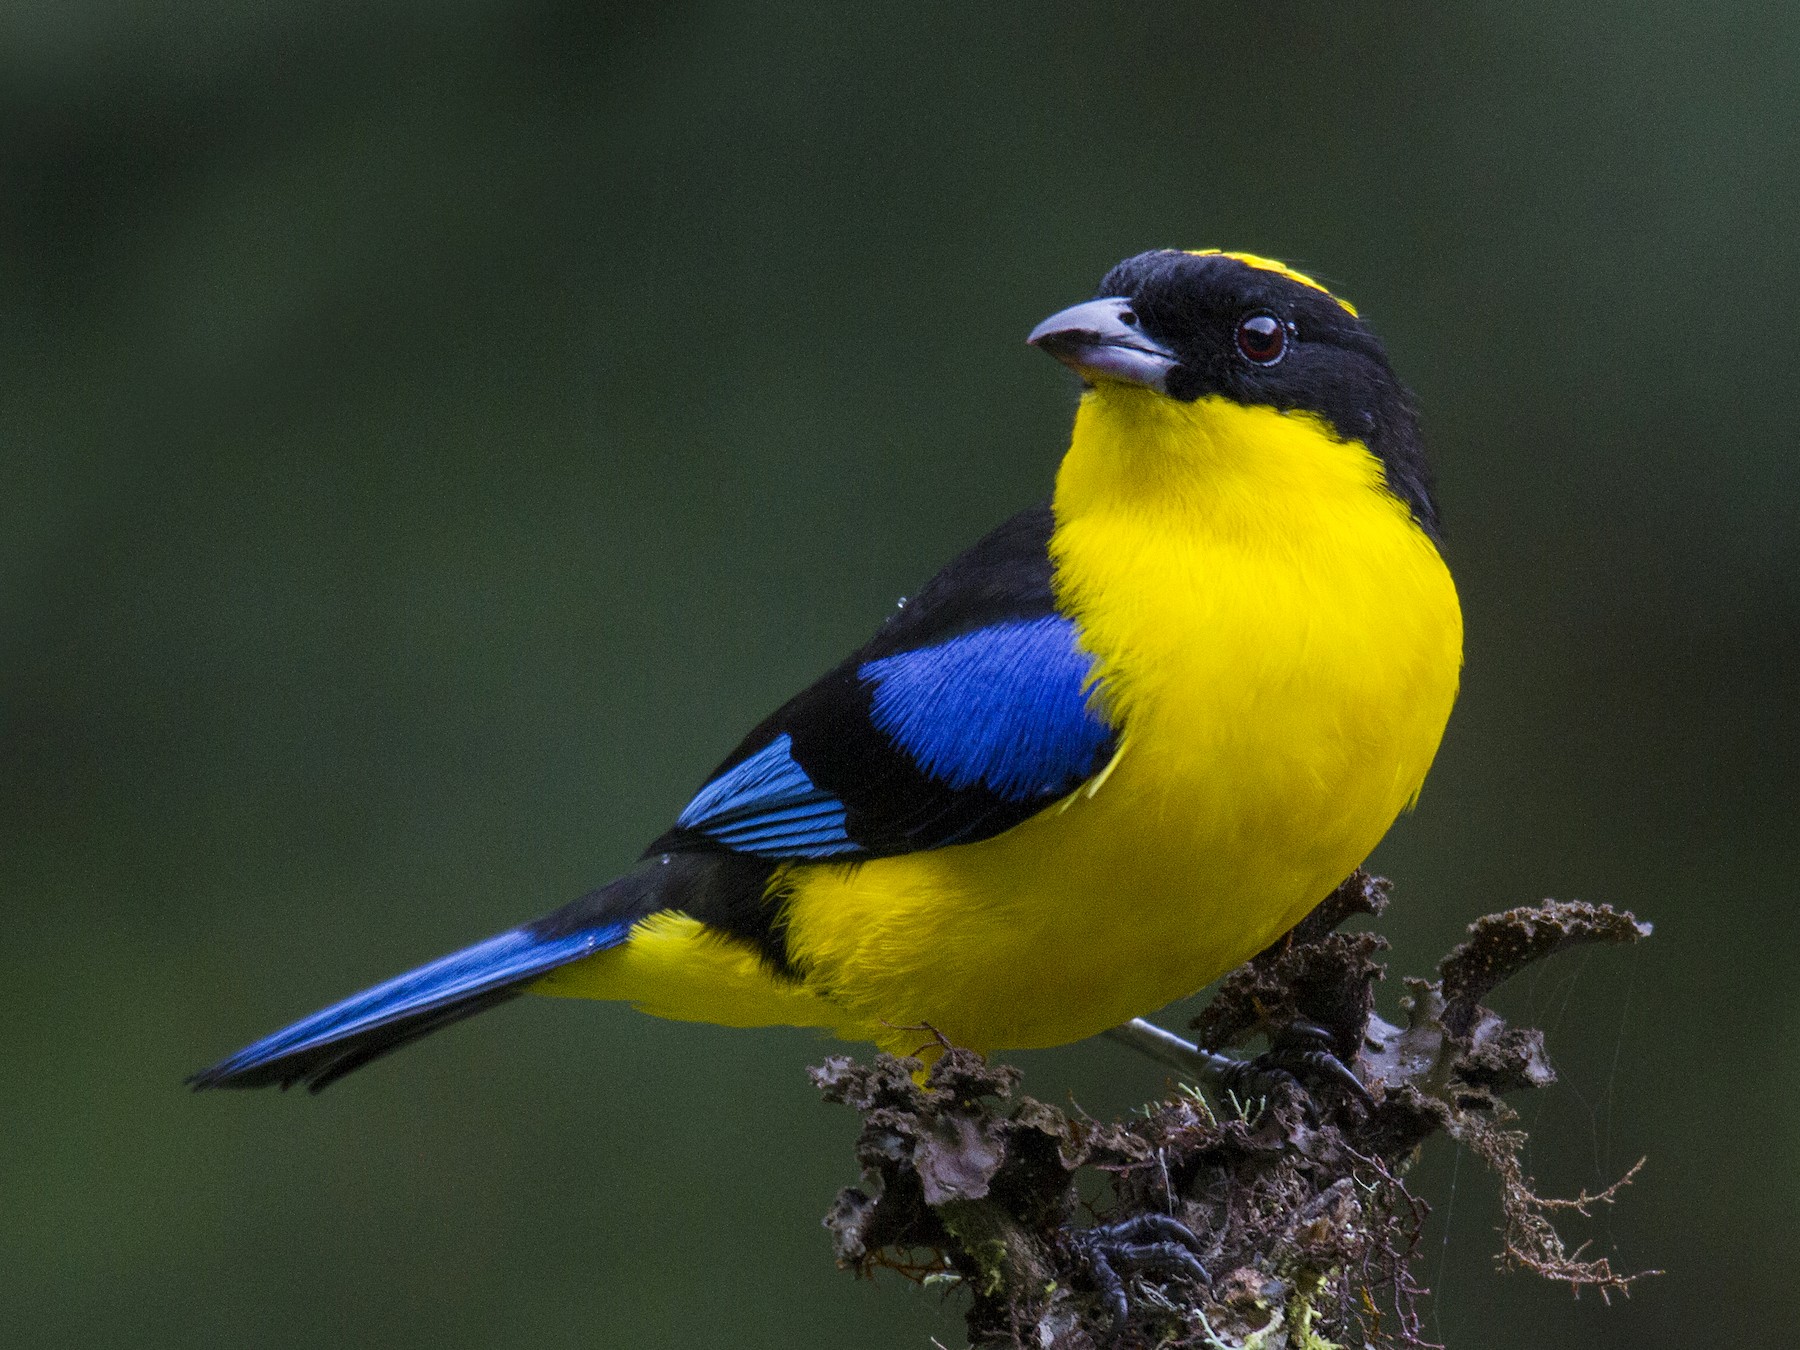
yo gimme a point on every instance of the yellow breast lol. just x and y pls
(1281, 644)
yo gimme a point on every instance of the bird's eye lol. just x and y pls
(1262, 338)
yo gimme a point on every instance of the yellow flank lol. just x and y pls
(1281, 644)
(674, 966)
(1271, 265)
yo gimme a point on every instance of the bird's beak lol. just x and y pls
(1102, 340)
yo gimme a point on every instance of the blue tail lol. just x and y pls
(321, 1049)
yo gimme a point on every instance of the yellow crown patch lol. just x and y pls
(1271, 265)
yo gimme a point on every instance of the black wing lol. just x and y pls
(970, 710)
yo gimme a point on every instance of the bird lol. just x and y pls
(1115, 748)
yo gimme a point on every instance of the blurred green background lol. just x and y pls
(433, 432)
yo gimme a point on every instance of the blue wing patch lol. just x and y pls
(767, 806)
(1005, 707)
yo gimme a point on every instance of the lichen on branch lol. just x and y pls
(1303, 1220)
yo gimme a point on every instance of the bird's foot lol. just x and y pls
(1299, 1057)
(1155, 1243)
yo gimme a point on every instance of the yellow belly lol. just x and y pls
(1283, 660)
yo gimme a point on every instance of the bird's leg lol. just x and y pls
(1149, 1242)
(1299, 1055)
(1170, 1051)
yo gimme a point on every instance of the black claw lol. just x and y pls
(1149, 1242)
(1161, 1255)
(1151, 1227)
(1323, 1064)
(1299, 1056)
(1112, 1288)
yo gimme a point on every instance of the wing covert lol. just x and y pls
(1005, 707)
(766, 805)
(970, 710)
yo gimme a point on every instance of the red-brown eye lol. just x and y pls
(1262, 338)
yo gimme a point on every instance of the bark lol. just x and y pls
(1298, 1201)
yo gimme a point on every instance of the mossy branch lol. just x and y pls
(1307, 1228)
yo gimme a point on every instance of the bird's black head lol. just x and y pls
(1235, 326)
